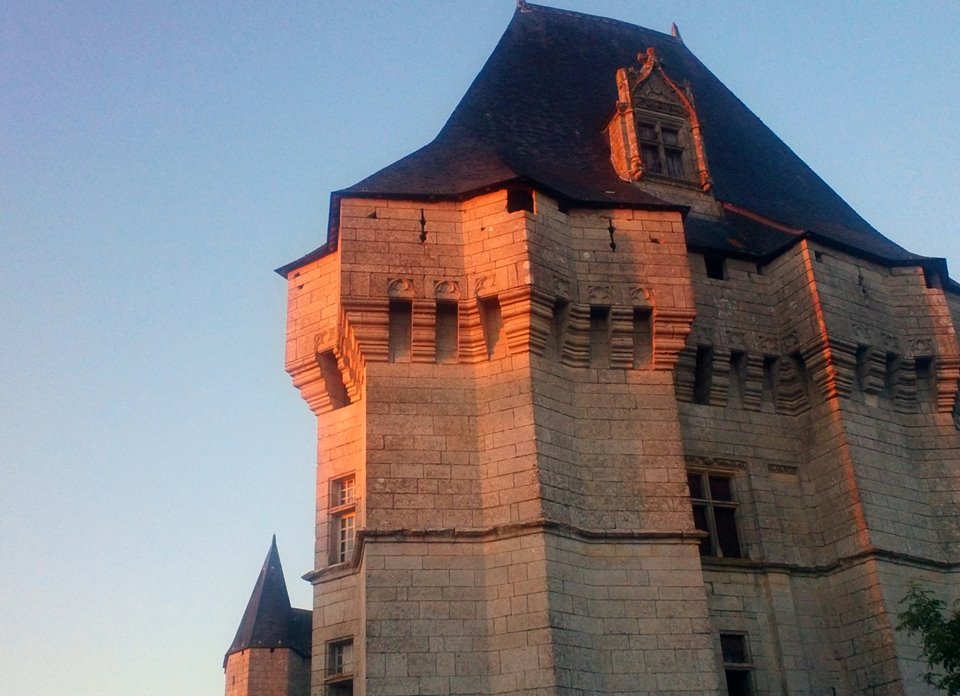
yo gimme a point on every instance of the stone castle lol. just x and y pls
(614, 396)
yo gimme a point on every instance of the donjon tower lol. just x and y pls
(616, 396)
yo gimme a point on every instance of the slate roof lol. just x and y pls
(537, 110)
(269, 621)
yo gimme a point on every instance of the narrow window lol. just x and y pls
(642, 338)
(400, 323)
(715, 512)
(925, 378)
(491, 322)
(771, 378)
(738, 377)
(891, 375)
(558, 325)
(703, 375)
(340, 668)
(736, 664)
(863, 367)
(599, 337)
(447, 335)
(343, 518)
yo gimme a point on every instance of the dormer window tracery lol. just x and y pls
(656, 131)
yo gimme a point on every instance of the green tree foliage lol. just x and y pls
(925, 615)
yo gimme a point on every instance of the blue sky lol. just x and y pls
(160, 159)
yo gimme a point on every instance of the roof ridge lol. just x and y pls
(527, 7)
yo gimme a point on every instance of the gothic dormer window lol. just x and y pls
(655, 133)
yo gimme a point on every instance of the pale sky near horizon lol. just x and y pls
(160, 159)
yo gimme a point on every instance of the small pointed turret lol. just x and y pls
(269, 621)
(271, 652)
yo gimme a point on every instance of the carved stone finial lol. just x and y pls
(675, 32)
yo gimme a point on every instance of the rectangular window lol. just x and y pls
(642, 338)
(399, 330)
(447, 337)
(715, 512)
(343, 518)
(340, 668)
(661, 147)
(703, 375)
(599, 336)
(736, 664)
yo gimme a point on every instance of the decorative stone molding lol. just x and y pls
(621, 337)
(702, 462)
(641, 297)
(600, 295)
(575, 343)
(448, 290)
(948, 381)
(400, 288)
(486, 285)
(670, 330)
(423, 332)
(526, 312)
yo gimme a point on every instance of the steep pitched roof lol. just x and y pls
(537, 112)
(269, 621)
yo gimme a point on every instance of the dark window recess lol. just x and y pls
(738, 377)
(661, 148)
(703, 375)
(891, 375)
(738, 682)
(330, 371)
(642, 338)
(715, 512)
(599, 337)
(771, 378)
(518, 199)
(800, 370)
(558, 325)
(715, 266)
(447, 336)
(398, 330)
(925, 378)
(736, 664)
(863, 366)
(491, 322)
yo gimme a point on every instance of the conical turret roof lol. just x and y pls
(269, 621)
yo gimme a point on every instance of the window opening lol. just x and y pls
(715, 266)
(447, 333)
(399, 327)
(925, 379)
(599, 337)
(343, 518)
(771, 378)
(491, 322)
(738, 377)
(715, 512)
(661, 147)
(518, 199)
(703, 375)
(340, 668)
(891, 375)
(642, 338)
(736, 664)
